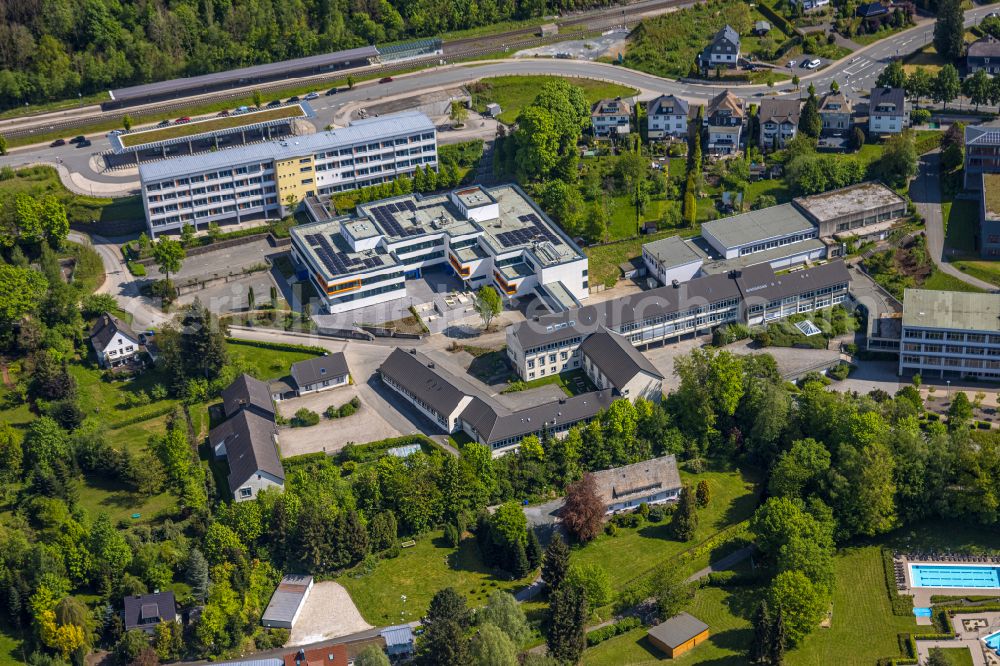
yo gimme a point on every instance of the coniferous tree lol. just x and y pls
(197, 574)
(810, 122)
(685, 521)
(760, 648)
(556, 563)
(519, 565)
(776, 651)
(533, 550)
(949, 29)
(567, 615)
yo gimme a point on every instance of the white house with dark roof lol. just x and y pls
(611, 117)
(667, 116)
(723, 51)
(248, 439)
(653, 481)
(983, 54)
(114, 341)
(433, 393)
(611, 362)
(887, 111)
(247, 392)
(321, 373)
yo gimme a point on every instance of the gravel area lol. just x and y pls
(365, 425)
(328, 613)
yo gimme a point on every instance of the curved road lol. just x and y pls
(855, 73)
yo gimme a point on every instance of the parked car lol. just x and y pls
(242, 109)
(791, 63)
(222, 114)
(813, 64)
(312, 95)
(163, 123)
(78, 138)
(183, 119)
(116, 132)
(273, 103)
(58, 142)
(292, 100)
(84, 144)
(385, 79)
(332, 91)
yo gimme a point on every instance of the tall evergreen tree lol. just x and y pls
(556, 562)
(810, 122)
(776, 650)
(685, 521)
(567, 615)
(197, 574)
(760, 648)
(533, 550)
(949, 29)
(448, 605)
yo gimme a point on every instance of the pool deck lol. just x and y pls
(922, 595)
(970, 628)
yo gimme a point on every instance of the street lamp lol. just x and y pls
(948, 383)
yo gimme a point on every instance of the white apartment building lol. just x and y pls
(667, 116)
(261, 181)
(887, 111)
(488, 236)
(950, 334)
(611, 117)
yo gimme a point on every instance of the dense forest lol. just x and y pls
(52, 49)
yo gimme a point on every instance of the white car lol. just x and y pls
(791, 63)
(813, 64)
(312, 95)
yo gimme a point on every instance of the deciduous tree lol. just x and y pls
(488, 304)
(583, 512)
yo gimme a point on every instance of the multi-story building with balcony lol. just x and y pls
(950, 334)
(266, 180)
(982, 153)
(487, 236)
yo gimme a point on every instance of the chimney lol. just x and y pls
(413, 350)
(676, 284)
(431, 365)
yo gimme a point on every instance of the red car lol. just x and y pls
(185, 119)
(385, 79)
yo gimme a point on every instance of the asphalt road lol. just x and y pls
(855, 74)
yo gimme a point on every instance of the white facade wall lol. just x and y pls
(450, 423)
(255, 484)
(885, 124)
(575, 275)
(950, 352)
(643, 386)
(652, 498)
(325, 385)
(604, 125)
(666, 276)
(119, 350)
(662, 125)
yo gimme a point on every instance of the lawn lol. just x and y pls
(945, 282)
(734, 498)
(41, 180)
(927, 58)
(957, 656)
(10, 647)
(101, 496)
(604, 259)
(268, 363)
(984, 270)
(211, 125)
(729, 634)
(572, 383)
(513, 93)
(961, 224)
(622, 220)
(774, 187)
(419, 572)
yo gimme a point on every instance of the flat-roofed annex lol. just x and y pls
(951, 310)
(758, 225)
(852, 200)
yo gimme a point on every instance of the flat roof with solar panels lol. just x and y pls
(483, 233)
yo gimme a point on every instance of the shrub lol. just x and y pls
(627, 520)
(902, 604)
(611, 529)
(7, 173)
(304, 418)
(839, 371)
(919, 116)
(604, 633)
(658, 512)
(136, 269)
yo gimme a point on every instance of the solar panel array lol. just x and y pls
(533, 231)
(337, 262)
(385, 216)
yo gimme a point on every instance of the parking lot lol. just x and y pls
(330, 435)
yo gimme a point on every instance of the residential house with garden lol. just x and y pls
(145, 611)
(667, 117)
(837, 113)
(248, 439)
(654, 481)
(723, 51)
(114, 341)
(611, 117)
(886, 111)
(779, 122)
(312, 375)
(611, 362)
(983, 54)
(724, 119)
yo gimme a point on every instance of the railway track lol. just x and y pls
(515, 40)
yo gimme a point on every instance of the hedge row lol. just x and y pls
(604, 633)
(370, 451)
(278, 346)
(778, 21)
(902, 604)
(145, 416)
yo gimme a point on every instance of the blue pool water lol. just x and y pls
(922, 612)
(947, 575)
(993, 641)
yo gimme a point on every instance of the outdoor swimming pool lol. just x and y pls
(949, 575)
(993, 641)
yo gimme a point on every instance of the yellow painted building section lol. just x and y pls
(296, 178)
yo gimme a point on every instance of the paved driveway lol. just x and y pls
(330, 435)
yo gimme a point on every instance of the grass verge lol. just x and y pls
(513, 93)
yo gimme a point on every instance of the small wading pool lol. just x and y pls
(956, 576)
(922, 612)
(993, 641)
